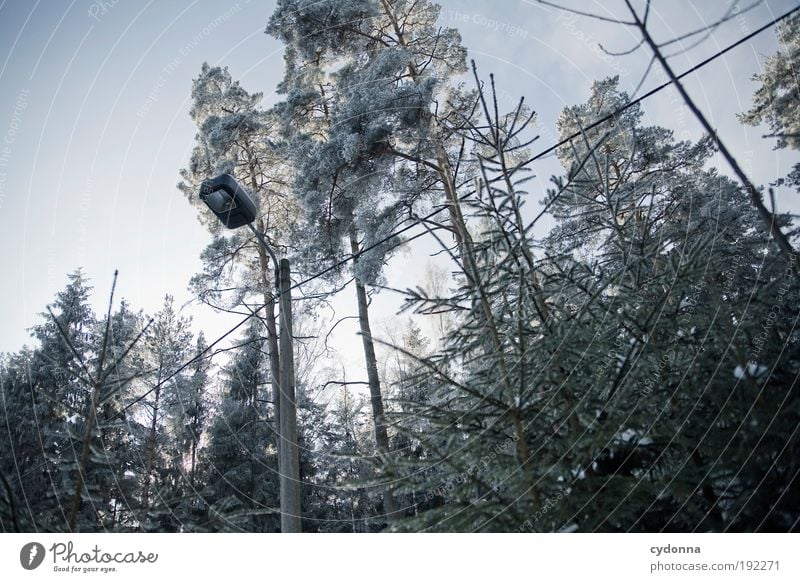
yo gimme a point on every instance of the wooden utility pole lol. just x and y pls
(289, 456)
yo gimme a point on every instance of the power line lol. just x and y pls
(689, 71)
(564, 141)
(405, 229)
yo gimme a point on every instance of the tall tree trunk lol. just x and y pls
(445, 171)
(194, 460)
(375, 396)
(268, 290)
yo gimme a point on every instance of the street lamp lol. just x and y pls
(232, 205)
(229, 201)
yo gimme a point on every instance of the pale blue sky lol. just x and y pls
(94, 124)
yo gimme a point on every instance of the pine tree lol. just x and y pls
(195, 407)
(234, 136)
(343, 474)
(360, 84)
(474, 449)
(186, 417)
(674, 265)
(115, 474)
(59, 400)
(407, 405)
(22, 463)
(73, 470)
(240, 462)
(777, 101)
(167, 344)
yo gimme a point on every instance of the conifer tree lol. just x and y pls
(59, 397)
(240, 461)
(776, 102)
(361, 82)
(73, 472)
(22, 463)
(116, 457)
(167, 344)
(622, 367)
(234, 136)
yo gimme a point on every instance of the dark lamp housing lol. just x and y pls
(229, 201)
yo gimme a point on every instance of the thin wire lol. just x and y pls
(561, 143)
(441, 208)
(699, 65)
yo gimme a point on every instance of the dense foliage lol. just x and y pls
(632, 368)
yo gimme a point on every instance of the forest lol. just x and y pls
(617, 353)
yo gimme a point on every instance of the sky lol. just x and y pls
(94, 127)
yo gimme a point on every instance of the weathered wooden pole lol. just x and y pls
(289, 454)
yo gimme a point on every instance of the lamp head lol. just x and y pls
(228, 200)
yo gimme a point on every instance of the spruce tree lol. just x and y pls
(620, 382)
(240, 462)
(166, 345)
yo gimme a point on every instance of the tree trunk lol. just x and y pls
(194, 459)
(375, 396)
(272, 333)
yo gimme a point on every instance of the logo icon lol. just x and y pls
(31, 555)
